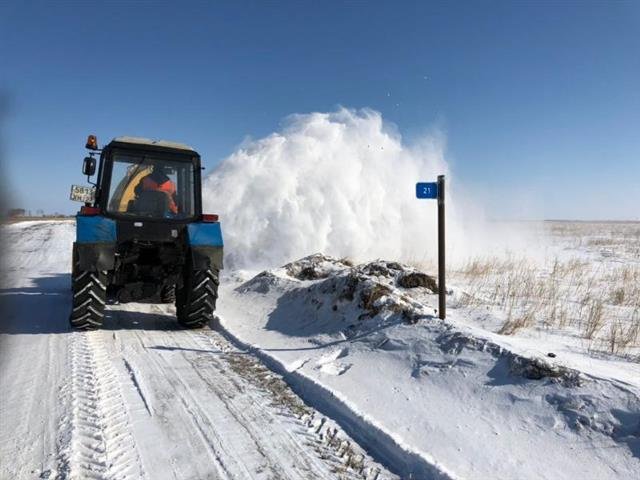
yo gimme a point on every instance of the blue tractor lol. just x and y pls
(141, 234)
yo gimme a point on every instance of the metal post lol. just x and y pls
(442, 290)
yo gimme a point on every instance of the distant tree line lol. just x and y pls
(22, 213)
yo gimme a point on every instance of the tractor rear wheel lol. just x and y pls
(74, 264)
(89, 298)
(196, 300)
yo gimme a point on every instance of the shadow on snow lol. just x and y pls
(44, 308)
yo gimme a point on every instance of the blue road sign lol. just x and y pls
(427, 190)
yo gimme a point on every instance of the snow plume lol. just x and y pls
(341, 183)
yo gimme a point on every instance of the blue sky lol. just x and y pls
(539, 101)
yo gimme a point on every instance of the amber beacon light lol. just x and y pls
(92, 142)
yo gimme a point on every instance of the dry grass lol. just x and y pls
(622, 336)
(594, 320)
(595, 295)
(525, 318)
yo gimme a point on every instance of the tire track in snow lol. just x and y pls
(225, 461)
(215, 418)
(94, 439)
(253, 420)
(137, 385)
(381, 446)
(323, 439)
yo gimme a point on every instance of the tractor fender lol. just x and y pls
(95, 257)
(206, 245)
(95, 242)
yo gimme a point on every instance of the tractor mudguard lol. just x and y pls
(205, 240)
(94, 257)
(95, 242)
(206, 257)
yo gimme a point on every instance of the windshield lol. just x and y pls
(147, 186)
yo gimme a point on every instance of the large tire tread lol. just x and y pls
(196, 301)
(89, 291)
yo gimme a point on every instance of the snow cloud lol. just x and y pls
(341, 183)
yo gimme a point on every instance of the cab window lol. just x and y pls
(144, 186)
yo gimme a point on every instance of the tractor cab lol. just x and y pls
(143, 179)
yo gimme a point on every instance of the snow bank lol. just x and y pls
(342, 183)
(458, 401)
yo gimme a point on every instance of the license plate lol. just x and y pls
(83, 194)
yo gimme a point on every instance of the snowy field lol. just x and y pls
(332, 368)
(584, 293)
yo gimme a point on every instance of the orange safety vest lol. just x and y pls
(167, 187)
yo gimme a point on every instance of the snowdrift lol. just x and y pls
(432, 398)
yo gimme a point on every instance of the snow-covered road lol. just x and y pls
(141, 398)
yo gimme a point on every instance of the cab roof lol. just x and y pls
(154, 143)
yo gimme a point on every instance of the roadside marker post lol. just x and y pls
(435, 190)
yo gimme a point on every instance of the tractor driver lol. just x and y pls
(159, 181)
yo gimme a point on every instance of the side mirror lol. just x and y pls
(89, 166)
